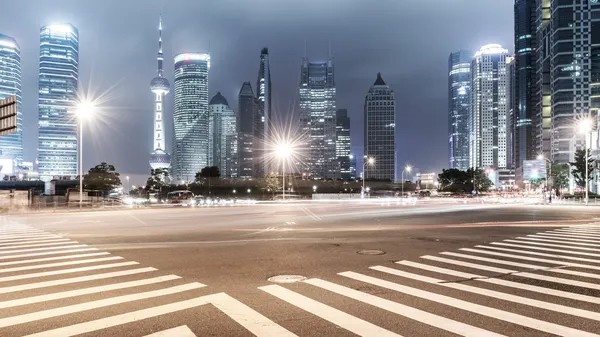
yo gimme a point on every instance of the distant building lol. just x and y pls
(11, 146)
(343, 143)
(262, 133)
(58, 85)
(459, 106)
(317, 118)
(352, 166)
(380, 131)
(246, 130)
(490, 106)
(190, 117)
(222, 142)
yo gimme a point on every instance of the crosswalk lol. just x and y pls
(539, 284)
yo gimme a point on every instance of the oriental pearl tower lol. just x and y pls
(159, 85)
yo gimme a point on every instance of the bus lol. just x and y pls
(178, 197)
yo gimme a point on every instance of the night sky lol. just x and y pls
(408, 41)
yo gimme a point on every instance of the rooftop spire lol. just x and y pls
(159, 56)
(379, 80)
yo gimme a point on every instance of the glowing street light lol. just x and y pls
(283, 151)
(585, 126)
(84, 110)
(314, 188)
(370, 161)
(408, 168)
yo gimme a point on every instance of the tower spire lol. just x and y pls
(159, 56)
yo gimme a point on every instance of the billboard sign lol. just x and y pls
(8, 116)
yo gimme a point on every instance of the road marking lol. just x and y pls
(85, 291)
(10, 263)
(495, 294)
(41, 237)
(515, 272)
(39, 245)
(67, 271)
(60, 264)
(254, 322)
(310, 214)
(574, 258)
(23, 236)
(36, 316)
(531, 242)
(40, 249)
(544, 249)
(180, 331)
(557, 240)
(576, 234)
(93, 277)
(532, 266)
(335, 316)
(48, 253)
(472, 307)
(566, 237)
(20, 231)
(12, 244)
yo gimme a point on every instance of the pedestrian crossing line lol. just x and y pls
(76, 308)
(473, 307)
(48, 253)
(544, 249)
(180, 331)
(23, 236)
(18, 232)
(577, 234)
(577, 230)
(40, 249)
(335, 316)
(67, 271)
(566, 237)
(92, 277)
(557, 240)
(530, 242)
(32, 242)
(41, 237)
(495, 294)
(40, 245)
(564, 257)
(534, 267)
(54, 258)
(60, 264)
(85, 291)
(515, 272)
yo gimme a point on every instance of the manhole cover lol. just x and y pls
(370, 252)
(286, 278)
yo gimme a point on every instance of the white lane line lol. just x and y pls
(557, 240)
(519, 257)
(335, 316)
(577, 234)
(544, 249)
(494, 294)
(31, 242)
(54, 258)
(530, 241)
(515, 272)
(71, 309)
(40, 249)
(60, 264)
(93, 277)
(40, 245)
(41, 237)
(48, 253)
(180, 331)
(85, 291)
(67, 271)
(565, 257)
(566, 237)
(473, 307)
(254, 322)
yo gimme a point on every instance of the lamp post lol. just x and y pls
(283, 151)
(541, 157)
(370, 161)
(84, 110)
(585, 126)
(408, 168)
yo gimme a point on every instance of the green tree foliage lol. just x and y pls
(208, 172)
(458, 181)
(560, 176)
(579, 167)
(102, 177)
(271, 182)
(158, 178)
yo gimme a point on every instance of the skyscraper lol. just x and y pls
(317, 118)
(159, 86)
(490, 95)
(58, 79)
(222, 136)
(342, 144)
(380, 131)
(264, 111)
(11, 146)
(524, 82)
(190, 117)
(246, 126)
(459, 105)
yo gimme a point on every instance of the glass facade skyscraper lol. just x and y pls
(222, 137)
(246, 125)
(343, 143)
(380, 131)
(58, 80)
(459, 105)
(190, 117)
(317, 118)
(264, 111)
(11, 146)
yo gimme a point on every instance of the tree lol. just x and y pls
(271, 182)
(457, 181)
(579, 167)
(158, 178)
(102, 177)
(208, 172)
(480, 181)
(560, 176)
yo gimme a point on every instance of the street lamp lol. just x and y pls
(541, 157)
(408, 168)
(83, 110)
(283, 151)
(585, 126)
(370, 161)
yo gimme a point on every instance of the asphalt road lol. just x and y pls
(444, 269)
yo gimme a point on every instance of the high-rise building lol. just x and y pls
(11, 146)
(317, 118)
(342, 144)
(523, 100)
(190, 117)
(58, 80)
(490, 95)
(459, 106)
(159, 158)
(380, 131)
(264, 111)
(222, 136)
(246, 125)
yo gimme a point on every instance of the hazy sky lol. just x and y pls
(408, 41)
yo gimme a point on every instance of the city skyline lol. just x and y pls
(352, 78)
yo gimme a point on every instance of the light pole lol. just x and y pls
(283, 151)
(541, 157)
(370, 161)
(585, 126)
(84, 109)
(408, 168)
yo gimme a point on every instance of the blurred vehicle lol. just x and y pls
(180, 197)
(199, 200)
